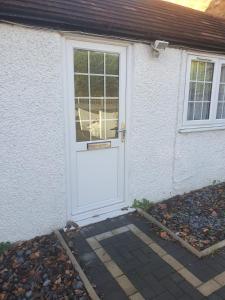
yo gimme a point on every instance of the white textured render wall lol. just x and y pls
(153, 122)
(32, 162)
(163, 162)
(199, 160)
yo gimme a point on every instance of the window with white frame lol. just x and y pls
(205, 91)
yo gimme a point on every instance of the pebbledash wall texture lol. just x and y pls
(32, 164)
(161, 161)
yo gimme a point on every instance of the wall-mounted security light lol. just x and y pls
(158, 47)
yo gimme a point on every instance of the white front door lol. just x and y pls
(98, 92)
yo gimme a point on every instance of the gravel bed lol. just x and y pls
(197, 217)
(39, 269)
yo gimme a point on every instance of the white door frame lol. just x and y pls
(79, 42)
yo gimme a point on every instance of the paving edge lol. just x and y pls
(89, 288)
(205, 288)
(185, 244)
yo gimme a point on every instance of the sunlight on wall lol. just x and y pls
(196, 4)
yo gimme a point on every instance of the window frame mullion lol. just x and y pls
(215, 92)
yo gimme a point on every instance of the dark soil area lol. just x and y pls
(197, 217)
(39, 269)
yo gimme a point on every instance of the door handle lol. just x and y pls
(123, 134)
(122, 130)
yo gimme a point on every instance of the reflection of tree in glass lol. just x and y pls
(112, 86)
(112, 64)
(81, 86)
(96, 62)
(96, 75)
(81, 61)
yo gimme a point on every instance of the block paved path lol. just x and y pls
(125, 259)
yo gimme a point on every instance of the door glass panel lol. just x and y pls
(97, 130)
(81, 85)
(111, 129)
(97, 86)
(97, 109)
(81, 61)
(83, 131)
(112, 64)
(96, 63)
(82, 109)
(96, 81)
(112, 86)
(112, 108)
(97, 119)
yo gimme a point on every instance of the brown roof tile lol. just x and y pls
(134, 19)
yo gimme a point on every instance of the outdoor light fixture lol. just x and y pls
(158, 47)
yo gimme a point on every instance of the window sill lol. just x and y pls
(199, 128)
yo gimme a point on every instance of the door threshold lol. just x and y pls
(100, 217)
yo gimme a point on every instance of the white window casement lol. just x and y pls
(204, 105)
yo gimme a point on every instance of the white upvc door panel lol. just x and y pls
(96, 109)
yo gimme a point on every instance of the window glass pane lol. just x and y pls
(221, 97)
(82, 109)
(190, 115)
(192, 88)
(205, 110)
(221, 92)
(96, 63)
(199, 91)
(112, 64)
(97, 86)
(223, 113)
(111, 129)
(194, 66)
(198, 111)
(82, 131)
(112, 108)
(81, 61)
(222, 77)
(81, 86)
(208, 92)
(112, 86)
(201, 71)
(209, 71)
(219, 110)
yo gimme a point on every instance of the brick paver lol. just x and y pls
(125, 259)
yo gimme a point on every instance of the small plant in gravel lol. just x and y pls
(143, 204)
(4, 246)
